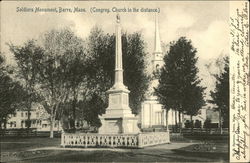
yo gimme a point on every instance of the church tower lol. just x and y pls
(157, 60)
(152, 114)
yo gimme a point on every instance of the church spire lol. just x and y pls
(157, 59)
(157, 45)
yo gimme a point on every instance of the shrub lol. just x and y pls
(197, 124)
(207, 123)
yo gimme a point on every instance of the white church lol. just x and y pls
(152, 113)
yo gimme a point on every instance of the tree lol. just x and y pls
(51, 69)
(197, 124)
(134, 63)
(27, 58)
(193, 101)
(77, 79)
(10, 91)
(178, 87)
(101, 48)
(60, 71)
(208, 124)
(220, 96)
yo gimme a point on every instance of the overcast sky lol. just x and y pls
(205, 23)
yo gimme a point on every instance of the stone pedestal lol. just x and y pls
(118, 117)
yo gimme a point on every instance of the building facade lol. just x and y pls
(39, 119)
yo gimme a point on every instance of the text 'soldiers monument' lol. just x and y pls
(118, 117)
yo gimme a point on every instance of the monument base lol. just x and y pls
(125, 125)
(118, 118)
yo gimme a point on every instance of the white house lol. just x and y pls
(38, 116)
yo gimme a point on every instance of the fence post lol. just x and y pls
(86, 140)
(62, 139)
(139, 140)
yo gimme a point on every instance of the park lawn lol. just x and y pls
(207, 147)
(118, 156)
(39, 153)
(216, 150)
(22, 144)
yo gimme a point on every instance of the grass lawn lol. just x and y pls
(22, 144)
(48, 150)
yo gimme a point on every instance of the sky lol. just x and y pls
(205, 23)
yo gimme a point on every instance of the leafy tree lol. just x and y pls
(193, 101)
(60, 71)
(208, 124)
(101, 48)
(187, 124)
(54, 70)
(178, 82)
(197, 124)
(134, 67)
(10, 92)
(220, 96)
(27, 58)
(77, 78)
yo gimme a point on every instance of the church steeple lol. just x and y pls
(157, 60)
(157, 45)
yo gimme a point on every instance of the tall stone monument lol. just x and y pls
(118, 118)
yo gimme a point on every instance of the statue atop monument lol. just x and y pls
(118, 19)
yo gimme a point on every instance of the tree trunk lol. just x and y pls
(182, 120)
(220, 121)
(173, 126)
(28, 118)
(192, 125)
(167, 118)
(176, 125)
(52, 120)
(74, 113)
(52, 126)
(180, 127)
(5, 124)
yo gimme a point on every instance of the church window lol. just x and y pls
(157, 67)
(14, 124)
(11, 123)
(22, 124)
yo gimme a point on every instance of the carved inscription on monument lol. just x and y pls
(125, 99)
(114, 99)
(113, 126)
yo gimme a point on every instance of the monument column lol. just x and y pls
(118, 56)
(118, 117)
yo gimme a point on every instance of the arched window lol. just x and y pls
(11, 123)
(157, 70)
(157, 67)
